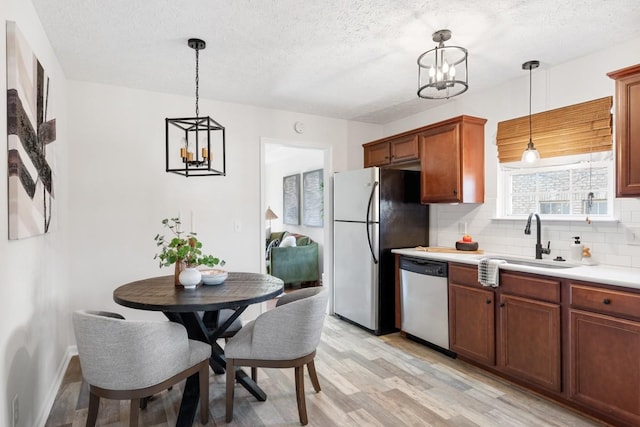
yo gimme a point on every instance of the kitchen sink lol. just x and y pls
(540, 263)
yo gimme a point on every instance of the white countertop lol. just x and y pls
(618, 276)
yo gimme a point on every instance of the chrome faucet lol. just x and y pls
(527, 230)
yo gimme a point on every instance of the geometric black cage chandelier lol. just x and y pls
(442, 71)
(195, 146)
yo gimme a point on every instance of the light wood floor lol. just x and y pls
(366, 381)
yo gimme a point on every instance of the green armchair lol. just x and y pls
(292, 264)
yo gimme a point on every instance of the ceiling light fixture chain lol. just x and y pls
(197, 45)
(197, 81)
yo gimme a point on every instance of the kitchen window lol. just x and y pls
(567, 187)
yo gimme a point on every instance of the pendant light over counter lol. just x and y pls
(530, 156)
(195, 146)
(442, 71)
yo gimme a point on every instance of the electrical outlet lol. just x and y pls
(633, 236)
(15, 410)
(237, 226)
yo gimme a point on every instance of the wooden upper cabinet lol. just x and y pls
(398, 149)
(377, 154)
(405, 149)
(450, 155)
(627, 131)
(452, 161)
(441, 169)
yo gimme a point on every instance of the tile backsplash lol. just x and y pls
(614, 243)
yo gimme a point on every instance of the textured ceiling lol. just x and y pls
(350, 59)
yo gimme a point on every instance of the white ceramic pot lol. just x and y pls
(190, 277)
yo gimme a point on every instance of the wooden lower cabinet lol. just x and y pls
(575, 342)
(471, 316)
(529, 341)
(605, 365)
(471, 323)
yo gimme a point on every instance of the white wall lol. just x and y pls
(120, 191)
(570, 83)
(34, 308)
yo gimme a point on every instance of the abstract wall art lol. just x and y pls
(31, 133)
(313, 198)
(291, 199)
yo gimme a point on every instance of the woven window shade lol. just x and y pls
(576, 129)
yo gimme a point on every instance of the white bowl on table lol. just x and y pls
(214, 276)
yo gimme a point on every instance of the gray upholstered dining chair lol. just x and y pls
(284, 337)
(130, 360)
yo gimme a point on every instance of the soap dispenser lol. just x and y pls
(575, 251)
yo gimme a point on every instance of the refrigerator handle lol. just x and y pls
(373, 191)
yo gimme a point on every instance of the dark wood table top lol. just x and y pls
(160, 293)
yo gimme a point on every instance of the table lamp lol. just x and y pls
(269, 215)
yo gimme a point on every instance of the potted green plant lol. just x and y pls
(185, 251)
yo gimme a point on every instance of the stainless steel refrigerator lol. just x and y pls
(374, 211)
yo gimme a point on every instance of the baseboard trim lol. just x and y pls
(55, 386)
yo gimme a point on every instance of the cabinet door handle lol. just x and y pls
(488, 301)
(607, 301)
(455, 191)
(501, 304)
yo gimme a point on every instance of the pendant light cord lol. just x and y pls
(530, 134)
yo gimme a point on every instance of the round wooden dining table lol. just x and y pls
(197, 309)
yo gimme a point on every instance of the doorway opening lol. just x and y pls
(286, 167)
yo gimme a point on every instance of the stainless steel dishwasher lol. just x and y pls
(424, 304)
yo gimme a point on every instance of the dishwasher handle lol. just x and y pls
(424, 266)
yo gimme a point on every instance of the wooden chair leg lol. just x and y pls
(231, 382)
(203, 376)
(143, 402)
(302, 407)
(311, 367)
(92, 416)
(134, 412)
(254, 374)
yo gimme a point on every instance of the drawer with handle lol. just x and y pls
(608, 301)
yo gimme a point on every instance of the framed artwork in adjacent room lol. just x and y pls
(31, 136)
(291, 199)
(313, 198)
